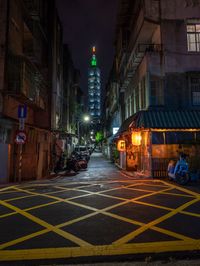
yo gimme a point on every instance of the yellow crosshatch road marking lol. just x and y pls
(130, 236)
(119, 246)
(165, 193)
(6, 188)
(56, 253)
(161, 230)
(46, 225)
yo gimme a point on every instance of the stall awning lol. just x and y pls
(174, 119)
(125, 125)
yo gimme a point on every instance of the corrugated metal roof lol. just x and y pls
(125, 125)
(169, 119)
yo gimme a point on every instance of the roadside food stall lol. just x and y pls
(153, 138)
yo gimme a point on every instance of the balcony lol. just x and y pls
(34, 42)
(26, 83)
(33, 7)
(136, 58)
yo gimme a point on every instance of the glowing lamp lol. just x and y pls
(136, 138)
(121, 145)
(93, 49)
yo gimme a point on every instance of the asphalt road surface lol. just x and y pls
(100, 214)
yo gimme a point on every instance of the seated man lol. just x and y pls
(181, 165)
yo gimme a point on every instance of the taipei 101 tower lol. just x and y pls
(94, 90)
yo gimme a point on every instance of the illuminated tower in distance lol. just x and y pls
(94, 90)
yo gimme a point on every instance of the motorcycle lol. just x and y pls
(68, 164)
(179, 172)
(82, 162)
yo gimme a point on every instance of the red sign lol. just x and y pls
(20, 137)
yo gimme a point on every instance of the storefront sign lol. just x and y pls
(121, 145)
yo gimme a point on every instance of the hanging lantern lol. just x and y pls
(136, 138)
(121, 145)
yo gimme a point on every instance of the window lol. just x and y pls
(157, 137)
(143, 93)
(198, 137)
(179, 137)
(195, 89)
(156, 91)
(137, 99)
(128, 107)
(193, 37)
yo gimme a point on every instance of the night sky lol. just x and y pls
(87, 23)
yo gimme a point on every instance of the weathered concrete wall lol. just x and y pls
(180, 9)
(176, 94)
(176, 56)
(3, 23)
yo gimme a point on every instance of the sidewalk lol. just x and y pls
(133, 174)
(171, 262)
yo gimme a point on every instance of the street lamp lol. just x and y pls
(85, 119)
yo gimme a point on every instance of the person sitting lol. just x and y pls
(170, 168)
(180, 166)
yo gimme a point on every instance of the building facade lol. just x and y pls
(155, 71)
(29, 72)
(72, 101)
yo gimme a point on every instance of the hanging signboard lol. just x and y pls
(121, 145)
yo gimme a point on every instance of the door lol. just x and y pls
(4, 162)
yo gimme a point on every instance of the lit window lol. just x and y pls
(193, 37)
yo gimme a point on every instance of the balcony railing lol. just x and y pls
(33, 7)
(135, 59)
(34, 41)
(26, 82)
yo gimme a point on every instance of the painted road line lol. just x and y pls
(107, 190)
(23, 238)
(165, 193)
(41, 232)
(197, 195)
(61, 200)
(6, 188)
(7, 191)
(31, 208)
(64, 234)
(77, 204)
(145, 195)
(107, 250)
(165, 208)
(132, 235)
(137, 198)
(21, 197)
(158, 229)
(96, 211)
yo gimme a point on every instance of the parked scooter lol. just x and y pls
(80, 160)
(179, 172)
(64, 164)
